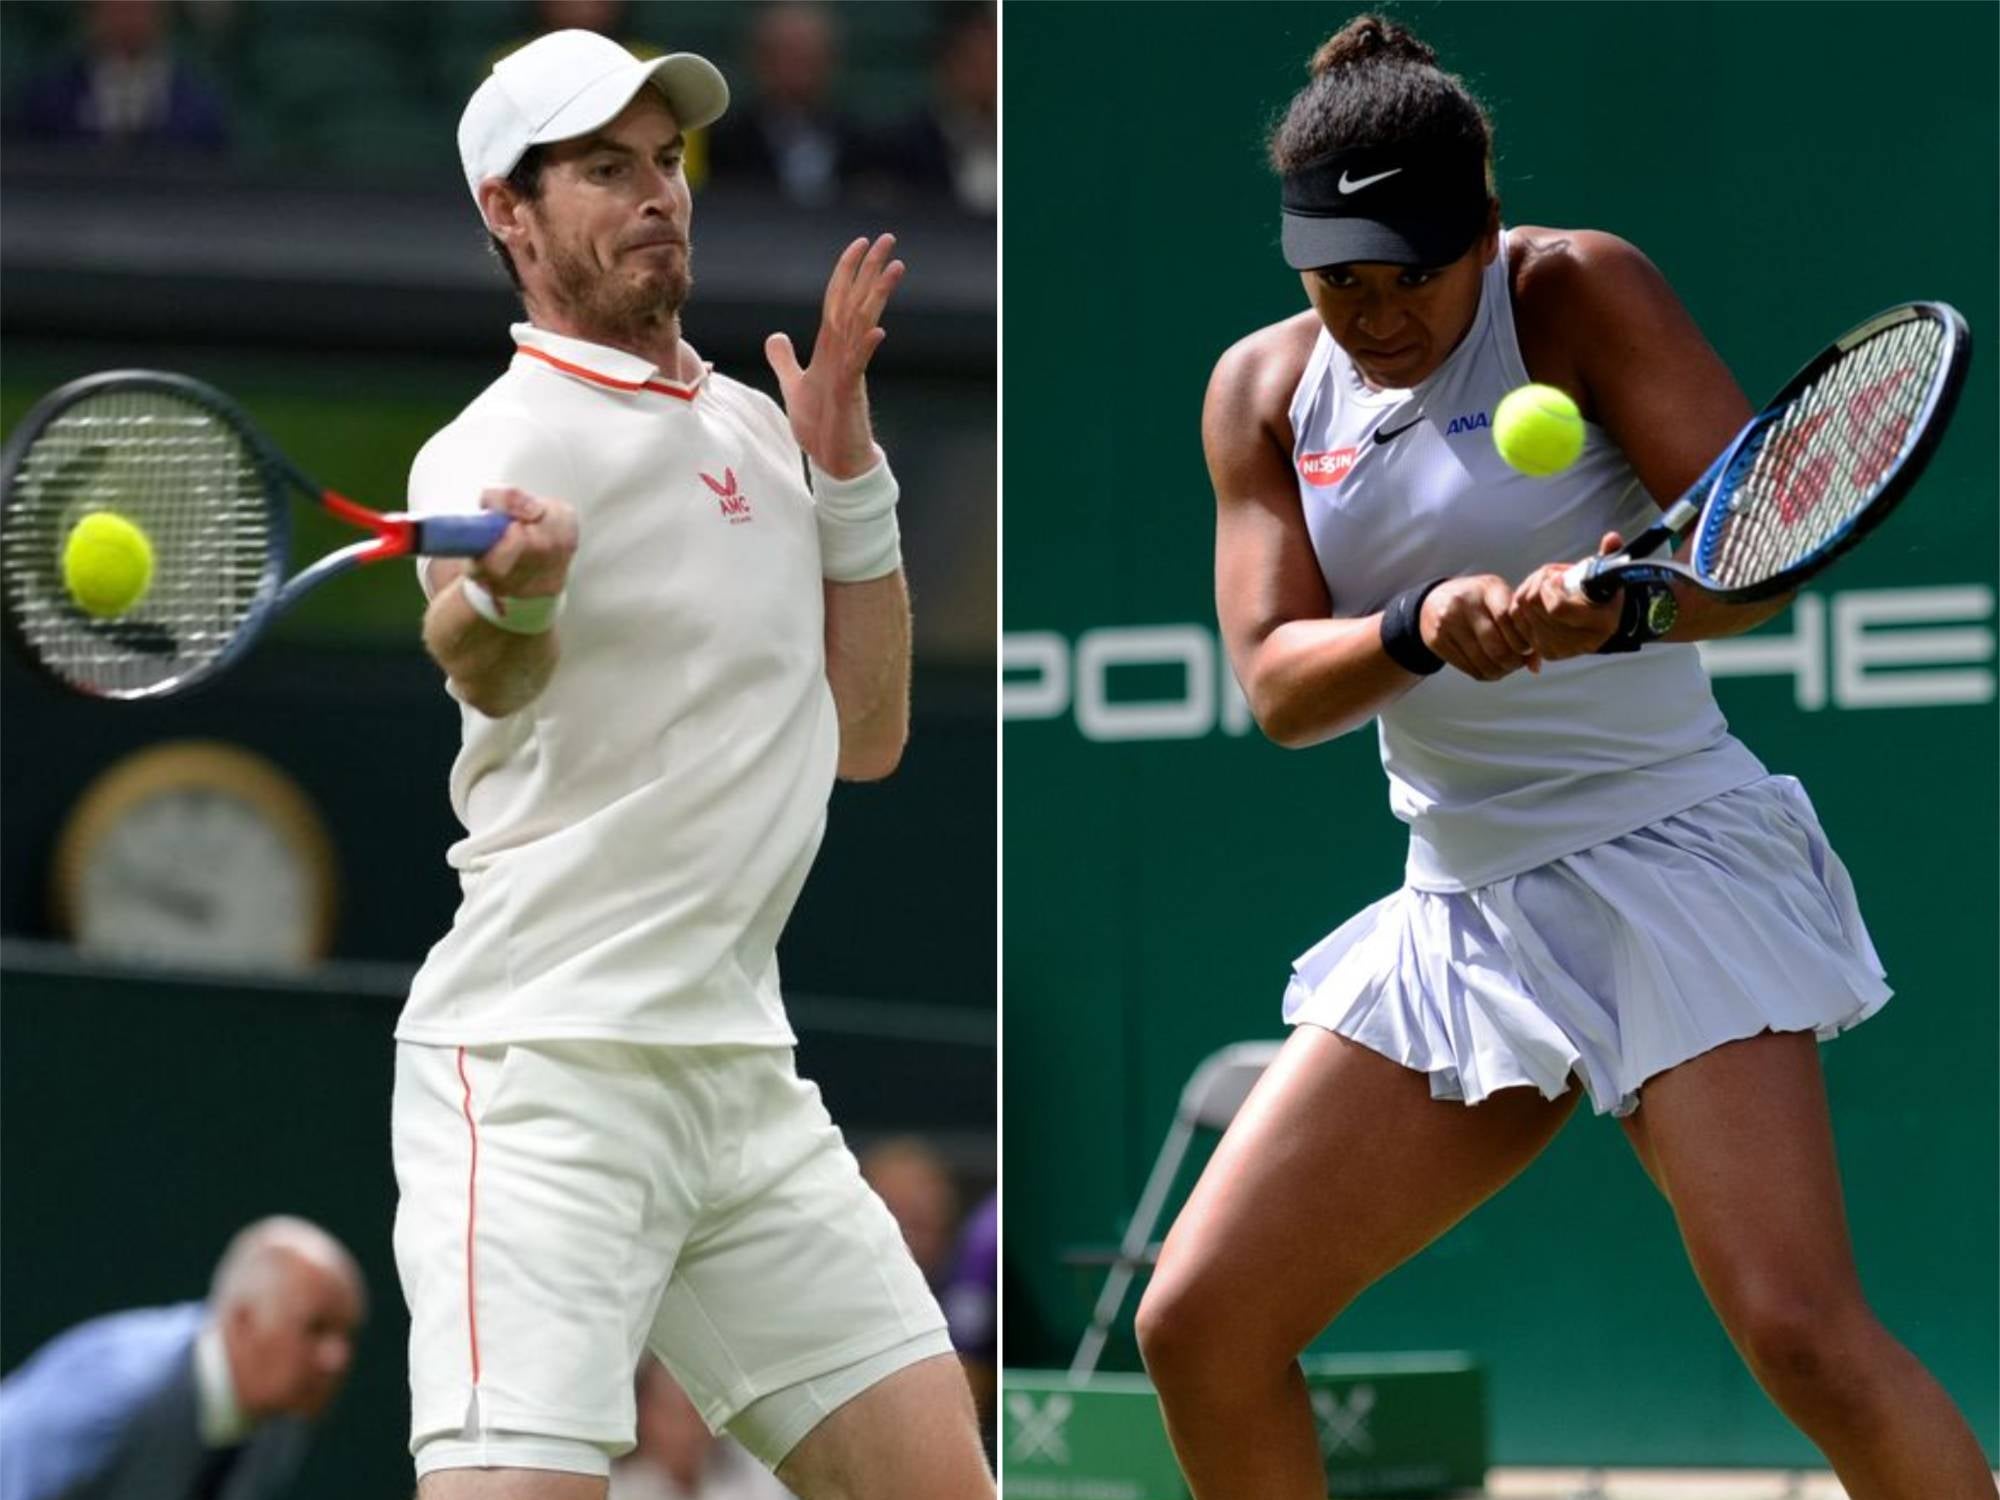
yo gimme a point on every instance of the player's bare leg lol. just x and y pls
(1740, 1142)
(913, 1436)
(1338, 1168)
(509, 1484)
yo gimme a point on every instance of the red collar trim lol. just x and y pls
(663, 387)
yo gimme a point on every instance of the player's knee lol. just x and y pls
(1186, 1335)
(1806, 1349)
(1160, 1325)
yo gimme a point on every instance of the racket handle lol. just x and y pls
(460, 536)
(1587, 578)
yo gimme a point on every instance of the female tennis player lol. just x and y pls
(1604, 888)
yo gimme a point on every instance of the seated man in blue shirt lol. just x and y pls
(199, 1401)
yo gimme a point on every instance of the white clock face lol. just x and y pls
(196, 876)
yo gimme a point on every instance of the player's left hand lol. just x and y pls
(827, 400)
(1559, 622)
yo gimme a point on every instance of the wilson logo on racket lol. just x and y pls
(1878, 442)
(1324, 470)
(1799, 474)
(1802, 476)
(1819, 468)
(735, 505)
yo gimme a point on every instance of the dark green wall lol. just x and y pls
(1156, 887)
(341, 697)
(144, 1120)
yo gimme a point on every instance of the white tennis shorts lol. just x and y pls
(1614, 963)
(565, 1205)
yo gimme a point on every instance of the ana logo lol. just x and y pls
(734, 503)
(1323, 470)
(1470, 422)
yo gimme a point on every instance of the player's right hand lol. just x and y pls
(531, 559)
(1559, 621)
(1470, 623)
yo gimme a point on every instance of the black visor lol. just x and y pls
(1414, 205)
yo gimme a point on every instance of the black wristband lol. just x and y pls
(1636, 625)
(1402, 635)
(1626, 636)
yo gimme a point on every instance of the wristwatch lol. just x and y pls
(1650, 612)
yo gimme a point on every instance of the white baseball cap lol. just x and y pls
(567, 84)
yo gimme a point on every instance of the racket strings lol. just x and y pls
(185, 477)
(1810, 474)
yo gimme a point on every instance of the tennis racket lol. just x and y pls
(1812, 473)
(181, 461)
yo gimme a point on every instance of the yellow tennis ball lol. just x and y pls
(107, 564)
(1538, 430)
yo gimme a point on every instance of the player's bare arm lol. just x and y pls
(499, 672)
(867, 620)
(1307, 675)
(1644, 372)
(868, 667)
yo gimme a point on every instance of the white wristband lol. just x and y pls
(858, 536)
(516, 616)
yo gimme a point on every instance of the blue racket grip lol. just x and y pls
(460, 536)
(1589, 578)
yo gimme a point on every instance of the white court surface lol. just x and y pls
(1662, 1484)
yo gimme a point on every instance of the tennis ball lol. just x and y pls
(107, 564)
(1538, 430)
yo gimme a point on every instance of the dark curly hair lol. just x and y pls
(1375, 84)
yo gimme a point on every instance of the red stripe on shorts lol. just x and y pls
(471, 1217)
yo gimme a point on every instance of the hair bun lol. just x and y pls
(1366, 38)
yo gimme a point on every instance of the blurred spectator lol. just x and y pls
(126, 90)
(911, 1178)
(194, 1401)
(678, 1458)
(791, 136)
(971, 1300)
(609, 18)
(952, 144)
(605, 17)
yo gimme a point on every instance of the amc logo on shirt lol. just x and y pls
(734, 504)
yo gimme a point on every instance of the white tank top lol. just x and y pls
(1400, 487)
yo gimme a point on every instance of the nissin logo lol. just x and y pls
(1470, 422)
(1325, 469)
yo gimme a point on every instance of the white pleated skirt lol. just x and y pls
(1612, 964)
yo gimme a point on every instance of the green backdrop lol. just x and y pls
(1791, 168)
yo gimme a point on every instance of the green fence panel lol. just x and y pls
(1388, 1425)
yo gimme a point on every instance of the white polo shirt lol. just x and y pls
(636, 837)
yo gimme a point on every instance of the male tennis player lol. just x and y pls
(600, 1139)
